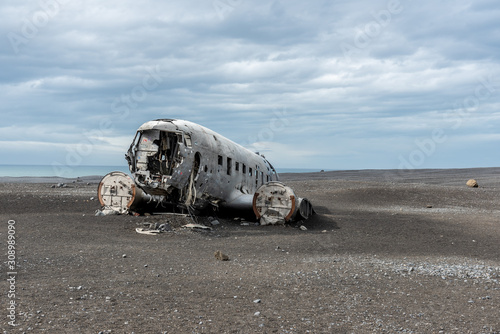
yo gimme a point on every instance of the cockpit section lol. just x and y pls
(154, 155)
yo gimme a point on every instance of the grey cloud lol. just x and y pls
(230, 72)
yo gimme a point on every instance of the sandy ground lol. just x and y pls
(393, 252)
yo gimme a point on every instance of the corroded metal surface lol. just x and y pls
(276, 203)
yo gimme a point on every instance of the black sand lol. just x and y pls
(388, 251)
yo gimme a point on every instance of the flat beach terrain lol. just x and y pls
(388, 251)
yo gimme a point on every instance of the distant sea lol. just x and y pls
(80, 171)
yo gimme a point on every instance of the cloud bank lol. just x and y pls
(331, 85)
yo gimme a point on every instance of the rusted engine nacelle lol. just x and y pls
(118, 192)
(276, 203)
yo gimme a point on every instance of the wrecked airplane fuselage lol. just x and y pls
(183, 165)
(193, 166)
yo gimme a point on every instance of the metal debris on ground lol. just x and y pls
(143, 230)
(106, 212)
(153, 229)
(197, 226)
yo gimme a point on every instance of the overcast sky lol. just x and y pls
(318, 84)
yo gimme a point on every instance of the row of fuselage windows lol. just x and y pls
(242, 168)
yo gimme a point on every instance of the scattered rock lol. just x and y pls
(257, 301)
(221, 256)
(429, 206)
(59, 185)
(215, 222)
(303, 228)
(472, 183)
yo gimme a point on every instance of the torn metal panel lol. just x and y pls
(147, 231)
(197, 226)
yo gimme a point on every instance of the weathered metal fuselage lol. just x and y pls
(192, 166)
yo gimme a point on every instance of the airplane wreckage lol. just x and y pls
(179, 166)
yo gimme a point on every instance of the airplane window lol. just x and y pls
(250, 172)
(220, 160)
(229, 165)
(136, 139)
(148, 139)
(188, 140)
(237, 166)
(244, 170)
